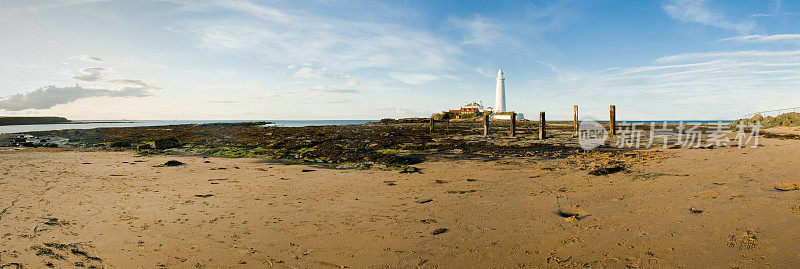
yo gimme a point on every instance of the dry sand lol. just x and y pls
(693, 208)
(782, 130)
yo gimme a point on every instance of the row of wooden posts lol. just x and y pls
(542, 123)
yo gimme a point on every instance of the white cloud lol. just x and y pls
(414, 78)
(758, 15)
(715, 55)
(350, 87)
(792, 38)
(479, 31)
(98, 75)
(290, 36)
(308, 72)
(333, 101)
(50, 96)
(720, 84)
(90, 74)
(87, 58)
(698, 11)
(102, 86)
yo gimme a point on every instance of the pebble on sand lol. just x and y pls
(440, 231)
(787, 186)
(422, 201)
(572, 212)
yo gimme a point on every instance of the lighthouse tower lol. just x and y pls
(500, 97)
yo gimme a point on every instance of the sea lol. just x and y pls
(10, 129)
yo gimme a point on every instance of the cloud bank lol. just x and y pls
(290, 36)
(50, 96)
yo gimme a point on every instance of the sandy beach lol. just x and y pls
(672, 208)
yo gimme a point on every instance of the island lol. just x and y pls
(32, 120)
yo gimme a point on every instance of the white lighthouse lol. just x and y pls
(500, 97)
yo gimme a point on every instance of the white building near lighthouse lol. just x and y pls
(499, 108)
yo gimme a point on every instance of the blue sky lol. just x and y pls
(331, 59)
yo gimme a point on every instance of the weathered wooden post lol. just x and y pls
(447, 125)
(486, 124)
(575, 109)
(432, 124)
(542, 132)
(513, 130)
(613, 121)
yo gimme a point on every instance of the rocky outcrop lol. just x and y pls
(167, 143)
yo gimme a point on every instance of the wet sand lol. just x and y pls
(68, 207)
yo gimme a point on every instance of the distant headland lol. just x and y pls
(32, 120)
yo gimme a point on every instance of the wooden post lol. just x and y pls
(575, 109)
(542, 132)
(486, 124)
(613, 121)
(513, 124)
(432, 124)
(447, 126)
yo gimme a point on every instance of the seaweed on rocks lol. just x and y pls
(390, 144)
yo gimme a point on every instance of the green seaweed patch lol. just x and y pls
(306, 150)
(392, 151)
(225, 152)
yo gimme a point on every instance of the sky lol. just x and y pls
(337, 59)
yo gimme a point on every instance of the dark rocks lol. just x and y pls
(392, 134)
(15, 140)
(423, 201)
(605, 170)
(144, 146)
(172, 163)
(428, 221)
(460, 192)
(358, 146)
(388, 121)
(440, 231)
(120, 144)
(54, 222)
(410, 170)
(413, 120)
(167, 143)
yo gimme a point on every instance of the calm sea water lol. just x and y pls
(107, 124)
